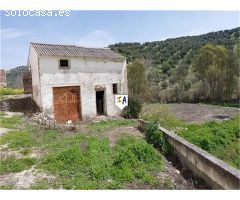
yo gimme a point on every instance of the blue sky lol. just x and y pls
(101, 28)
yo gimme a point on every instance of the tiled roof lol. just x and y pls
(74, 51)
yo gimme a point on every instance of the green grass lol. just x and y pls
(91, 164)
(104, 124)
(218, 138)
(221, 139)
(10, 122)
(45, 184)
(160, 113)
(12, 164)
(10, 91)
(18, 139)
(224, 104)
(83, 160)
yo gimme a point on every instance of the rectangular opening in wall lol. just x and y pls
(64, 63)
(114, 88)
(67, 103)
(100, 102)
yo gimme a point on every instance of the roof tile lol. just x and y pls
(74, 51)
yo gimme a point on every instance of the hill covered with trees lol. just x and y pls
(185, 69)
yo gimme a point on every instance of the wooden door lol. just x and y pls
(66, 102)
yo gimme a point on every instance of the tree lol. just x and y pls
(166, 67)
(210, 64)
(232, 73)
(137, 81)
(181, 73)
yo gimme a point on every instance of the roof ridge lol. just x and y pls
(72, 45)
(47, 49)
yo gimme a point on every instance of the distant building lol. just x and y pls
(27, 82)
(3, 82)
(76, 83)
(14, 77)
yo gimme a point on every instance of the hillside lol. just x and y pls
(173, 74)
(174, 50)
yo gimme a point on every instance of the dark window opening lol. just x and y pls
(115, 88)
(100, 102)
(64, 63)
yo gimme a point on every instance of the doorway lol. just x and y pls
(66, 102)
(100, 102)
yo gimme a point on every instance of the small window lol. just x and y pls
(115, 88)
(64, 63)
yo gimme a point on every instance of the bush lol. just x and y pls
(156, 137)
(133, 109)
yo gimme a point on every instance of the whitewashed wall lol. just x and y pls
(84, 73)
(33, 65)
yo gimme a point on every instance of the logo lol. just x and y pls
(121, 101)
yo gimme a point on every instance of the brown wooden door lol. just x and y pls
(66, 102)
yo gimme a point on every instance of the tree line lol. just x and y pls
(212, 76)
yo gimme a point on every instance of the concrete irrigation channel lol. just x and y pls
(216, 173)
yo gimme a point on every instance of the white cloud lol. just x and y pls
(97, 38)
(10, 33)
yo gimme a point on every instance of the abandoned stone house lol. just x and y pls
(76, 83)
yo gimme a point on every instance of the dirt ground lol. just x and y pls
(199, 113)
(24, 179)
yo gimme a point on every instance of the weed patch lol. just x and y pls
(160, 114)
(218, 138)
(18, 139)
(91, 164)
(10, 91)
(11, 122)
(104, 124)
(12, 164)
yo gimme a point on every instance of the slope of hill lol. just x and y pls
(169, 67)
(175, 49)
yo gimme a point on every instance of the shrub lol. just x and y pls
(156, 137)
(133, 109)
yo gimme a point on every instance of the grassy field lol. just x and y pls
(10, 91)
(221, 139)
(79, 160)
(161, 114)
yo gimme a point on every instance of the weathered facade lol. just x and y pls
(76, 83)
